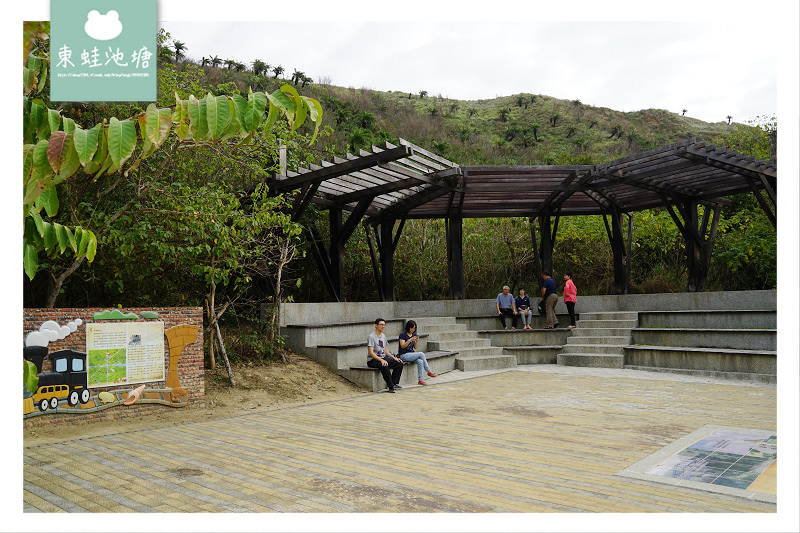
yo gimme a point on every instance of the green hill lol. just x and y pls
(520, 129)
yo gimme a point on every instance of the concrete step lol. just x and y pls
(459, 344)
(534, 355)
(481, 352)
(605, 339)
(435, 329)
(447, 336)
(594, 360)
(485, 362)
(587, 331)
(593, 348)
(610, 315)
(606, 323)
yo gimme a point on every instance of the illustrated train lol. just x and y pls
(68, 379)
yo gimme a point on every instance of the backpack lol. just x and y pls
(541, 307)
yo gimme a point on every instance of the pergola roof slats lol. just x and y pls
(407, 181)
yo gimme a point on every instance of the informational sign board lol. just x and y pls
(121, 353)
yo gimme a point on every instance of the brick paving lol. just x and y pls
(536, 439)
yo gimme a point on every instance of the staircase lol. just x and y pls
(599, 340)
(474, 352)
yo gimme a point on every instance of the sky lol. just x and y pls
(702, 67)
(712, 57)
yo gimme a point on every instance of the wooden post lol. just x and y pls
(455, 258)
(387, 259)
(336, 252)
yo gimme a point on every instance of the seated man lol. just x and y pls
(381, 357)
(505, 307)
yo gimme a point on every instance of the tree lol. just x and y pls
(729, 119)
(259, 67)
(215, 61)
(423, 93)
(472, 111)
(683, 112)
(56, 149)
(504, 112)
(180, 50)
(278, 70)
(229, 63)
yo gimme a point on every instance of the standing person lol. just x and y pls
(523, 304)
(381, 357)
(550, 298)
(408, 354)
(505, 307)
(570, 297)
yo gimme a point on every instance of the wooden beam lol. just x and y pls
(324, 173)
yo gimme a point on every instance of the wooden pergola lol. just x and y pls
(383, 188)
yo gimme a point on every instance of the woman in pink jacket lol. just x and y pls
(570, 297)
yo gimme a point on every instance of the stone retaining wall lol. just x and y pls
(327, 312)
(190, 365)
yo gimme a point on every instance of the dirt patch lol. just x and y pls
(258, 387)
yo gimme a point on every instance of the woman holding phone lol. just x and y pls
(408, 343)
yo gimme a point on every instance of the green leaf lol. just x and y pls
(315, 113)
(283, 102)
(254, 112)
(39, 223)
(82, 238)
(27, 161)
(61, 236)
(30, 260)
(29, 376)
(49, 201)
(218, 114)
(91, 246)
(121, 141)
(234, 126)
(40, 172)
(85, 142)
(68, 124)
(198, 125)
(28, 79)
(157, 123)
(49, 237)
(36, 117)
(53, 120)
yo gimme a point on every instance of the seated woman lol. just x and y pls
(523, 304)
(408, 342)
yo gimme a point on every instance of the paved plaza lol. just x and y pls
(535, 439)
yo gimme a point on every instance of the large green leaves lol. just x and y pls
(121, 141)
(55, 148)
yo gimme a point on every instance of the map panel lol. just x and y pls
(124, 353)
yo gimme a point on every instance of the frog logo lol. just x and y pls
(103, 27)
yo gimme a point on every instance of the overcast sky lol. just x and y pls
(712, 68)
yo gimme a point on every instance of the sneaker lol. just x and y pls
(421, 383)
(570, 326)
(389, 390)
(431, 374)
(396, 386)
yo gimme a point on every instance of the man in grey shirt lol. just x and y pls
(505, 307)
(380, 356)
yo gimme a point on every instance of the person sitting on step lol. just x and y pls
(408, 354)
(380, 356)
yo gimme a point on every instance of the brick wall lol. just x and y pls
(190, 364)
